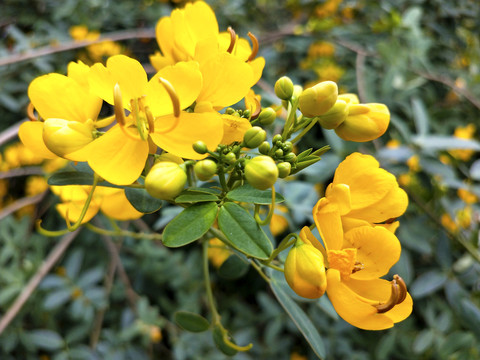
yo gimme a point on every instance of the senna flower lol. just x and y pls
(68, 112)
(363, 193)
(110, 201)
(154, 117)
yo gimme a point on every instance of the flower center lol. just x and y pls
(344, 261)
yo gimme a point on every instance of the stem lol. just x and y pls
(260, 271)
(284, 244)
(123, 233)
(305, 130)
(85, 207)
(290, 119)
(208, 286)
(270, 211)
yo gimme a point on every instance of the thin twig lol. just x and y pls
(360, 72)
(72, 45)
(43, 270)
(11, 132)
(23, 171)
(17, 205)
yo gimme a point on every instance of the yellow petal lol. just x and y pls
(349, 223)
(30, 133)
(377, 249)
(116, 206)
(79, 72)
(117, 158)
(164, 35)
(121, 69)
(185, 78)
(58, 96)
(329, 224)
(201, 20)
(352, 307)
(234, 128)
(226, 80)
(339, 194)
(192, 127)
(159, 61)
(308, 238)
(74, 208)
(257, 66)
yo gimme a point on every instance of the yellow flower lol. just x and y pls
(119, 155)
(217, 252)
(463, 217)
(448, 223)
(467, 133)
(362, 193)
(110, 201)
(414, 163)
(35, 185)
(393, 144)
(467, 196)
(279, 222)
(356, 259)
(321, 49)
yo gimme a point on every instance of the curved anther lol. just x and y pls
(258, 109)
(402, 288)
(150, 119)
(118, 105)
(358, 266)
(254, 40)
(233, 39)
(31, 113)
(173, 96)
(392, 301)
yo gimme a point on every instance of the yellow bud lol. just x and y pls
(335, 116)
(261, 172)
(205, 169)
(317, 100)
(350, 99)
(254, 136)
(305, 270)
(63, 137)
(165, 180)
(284, 88)
(365, 122)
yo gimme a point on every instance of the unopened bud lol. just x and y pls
(230, 158)
(284, 169)
(261, 172)
(276, 138)
(205, 169)
(63, 137)
(350, 99)
(200, 147)
(254, 136)
(267, 116)
(165, 180)
(317, 100)
(287, 146)
(297, 91)
(264, 148)
(290, 157)
(284, 88)
(335, 116)
(279, 153)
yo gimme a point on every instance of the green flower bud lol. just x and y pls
(165, 180)
(279, 153)
(264, 148)
(229, 111)
(297, 91)
(317, 100)
(267, 116)
(284, 88)
(254, 136)
(276, 138)
(290, 157)
(335, 116)
(63, 137)
(284, 169)
(230, 158)
(205, 169)
(261, 172)
(200, 147)
(246, 114)
(287, 146)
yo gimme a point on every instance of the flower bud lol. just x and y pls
(165, 180)
(284, 169)
(350, 99)
(267, 116)
(365, 122)
(290, 157)
(279, 153)
(200, 147)
(205, 169)
(230, 158)
(264, 148)
(297, 91)
(284, 88)
(305, 270)
(317, 100)
(287, 146)
(63, 137)
(335, 116)
(254, 136)
(261, 172)
(276, 138)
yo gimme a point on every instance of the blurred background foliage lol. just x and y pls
(105, 298)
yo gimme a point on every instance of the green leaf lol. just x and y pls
(193, 196)
(76, 178)
(46, 339)
(233, 268)
(439, 142)
(142, 201)
(190, 321)
(420, 116)
(190, 224)
(243, 232)
(427, 284)
(423, 341)
(249, 194)
(301, 320)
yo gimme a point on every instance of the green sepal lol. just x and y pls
(242, 231)
(191, 224)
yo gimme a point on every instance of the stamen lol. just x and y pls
(254, 47)
(402, 287)
(258, 109)
(173, 96)
(129, 134)
(358, 266)
(30, 112)
(389, 305)
(118, 105)
(233, 39)
(150, 119)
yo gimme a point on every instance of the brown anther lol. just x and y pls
(233, 39)
(254, 53)
(31, 113)
(358, 266)
(392, 301)
(258, 109)
(118, 105)
(390, 221)
(402, 287)
(150, 119)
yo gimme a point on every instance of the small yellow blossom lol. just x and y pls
(393, 144)
(463, 217)
(321, 49)
(217, 252)
(155, 334)
(405, 179)
(414, 163)
(448, 223)
(279, 223)
(465, 132)
(467, 196)
(35, 185)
